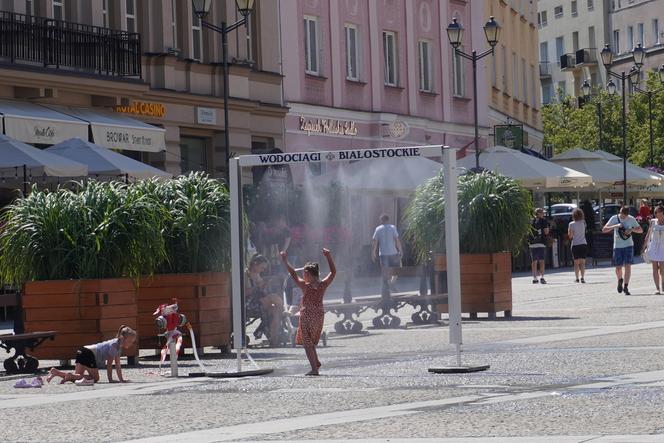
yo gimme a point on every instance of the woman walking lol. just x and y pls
(312, 313)
(655, 247)
(577, 234)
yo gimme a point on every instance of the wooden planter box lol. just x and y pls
(486, 283)
(204, 298)
(83, 312)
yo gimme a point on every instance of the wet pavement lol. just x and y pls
(575, 363)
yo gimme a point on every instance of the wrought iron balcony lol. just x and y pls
(545, 69)
(586, 57)
(55, 44)
(567, 62)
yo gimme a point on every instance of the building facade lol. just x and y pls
(637, 22)
(513, 75)
(571, 34)
(361, 74)
(143, 65)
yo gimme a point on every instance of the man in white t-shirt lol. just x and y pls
(386, 245)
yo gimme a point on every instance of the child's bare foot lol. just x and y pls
(312, 372)
(50, 375)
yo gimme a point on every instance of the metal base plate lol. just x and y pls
(459, 369)
(231, 374)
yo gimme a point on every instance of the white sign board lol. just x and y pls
(206, 116)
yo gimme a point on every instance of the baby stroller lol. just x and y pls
(255, 311)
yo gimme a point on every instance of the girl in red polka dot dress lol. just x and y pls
(311, 307)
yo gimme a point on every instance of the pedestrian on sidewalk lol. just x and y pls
(92, 357)
(623, 226)
(577, 234)
(654, 248)
(312, 313)
(540, 232)
(386, 246)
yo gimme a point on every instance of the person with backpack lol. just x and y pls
(540, 232)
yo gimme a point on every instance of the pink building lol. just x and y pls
(375, 73)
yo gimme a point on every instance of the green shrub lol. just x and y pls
(494, 215)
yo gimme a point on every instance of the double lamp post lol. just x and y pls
(455, 36)
(202, 9)
(638, 57)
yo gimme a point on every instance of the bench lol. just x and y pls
(21, 362)
(385, 319)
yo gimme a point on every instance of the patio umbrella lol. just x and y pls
(532, 172)
(103, 161)
(605, 173)
(17, 156)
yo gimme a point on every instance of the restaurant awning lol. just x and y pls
(36, 124)
(117, 131)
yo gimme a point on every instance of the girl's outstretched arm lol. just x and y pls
(296, 278)
(333, 269)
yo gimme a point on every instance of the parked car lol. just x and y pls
(561, 215)
(611, 209)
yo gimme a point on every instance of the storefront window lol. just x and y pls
(193, 154)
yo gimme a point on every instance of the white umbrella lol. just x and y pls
(103, 161)
(18, 157)
(531, 171)
(605, 173)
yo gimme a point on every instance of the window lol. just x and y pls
(459, 86)
(352, 53)
(558, 11)
(503, 60)
(311, 45)
(544, 51)
(544, 19)
(130, 15)
(546, 93)
(249, 38)
(591, 5)
(104, 13)
(494, 70)
(640, 36)
(424, 50)
(560, 49)
(515, 76)
(193, 154)
(591, 37)
(616, 41)
(630, 38)
(655, 31)
(524, 83)
(575, 41)
(196, 38)
(533, 89)
(58, 9)
(575, 9)
(562, 88)
(174, 23)
(29, 7)
(390, 54)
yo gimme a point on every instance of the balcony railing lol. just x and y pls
(586, 57)
(48, 43)
(567, 62)
(545, 69)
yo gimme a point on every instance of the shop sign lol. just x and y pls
(328, 126)
(145, 109)
(206, 116)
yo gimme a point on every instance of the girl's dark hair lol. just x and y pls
(256, 259)
(312, 269)
(577, 215)
(659, 208)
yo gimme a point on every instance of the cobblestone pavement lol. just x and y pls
(575, 363)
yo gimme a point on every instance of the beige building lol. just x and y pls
(143, 76)
(637, 22)
(513, 77)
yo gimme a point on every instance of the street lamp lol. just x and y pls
(586, 89)
(607, 60)
(650, 94)
(455, 36)
(202, 9)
